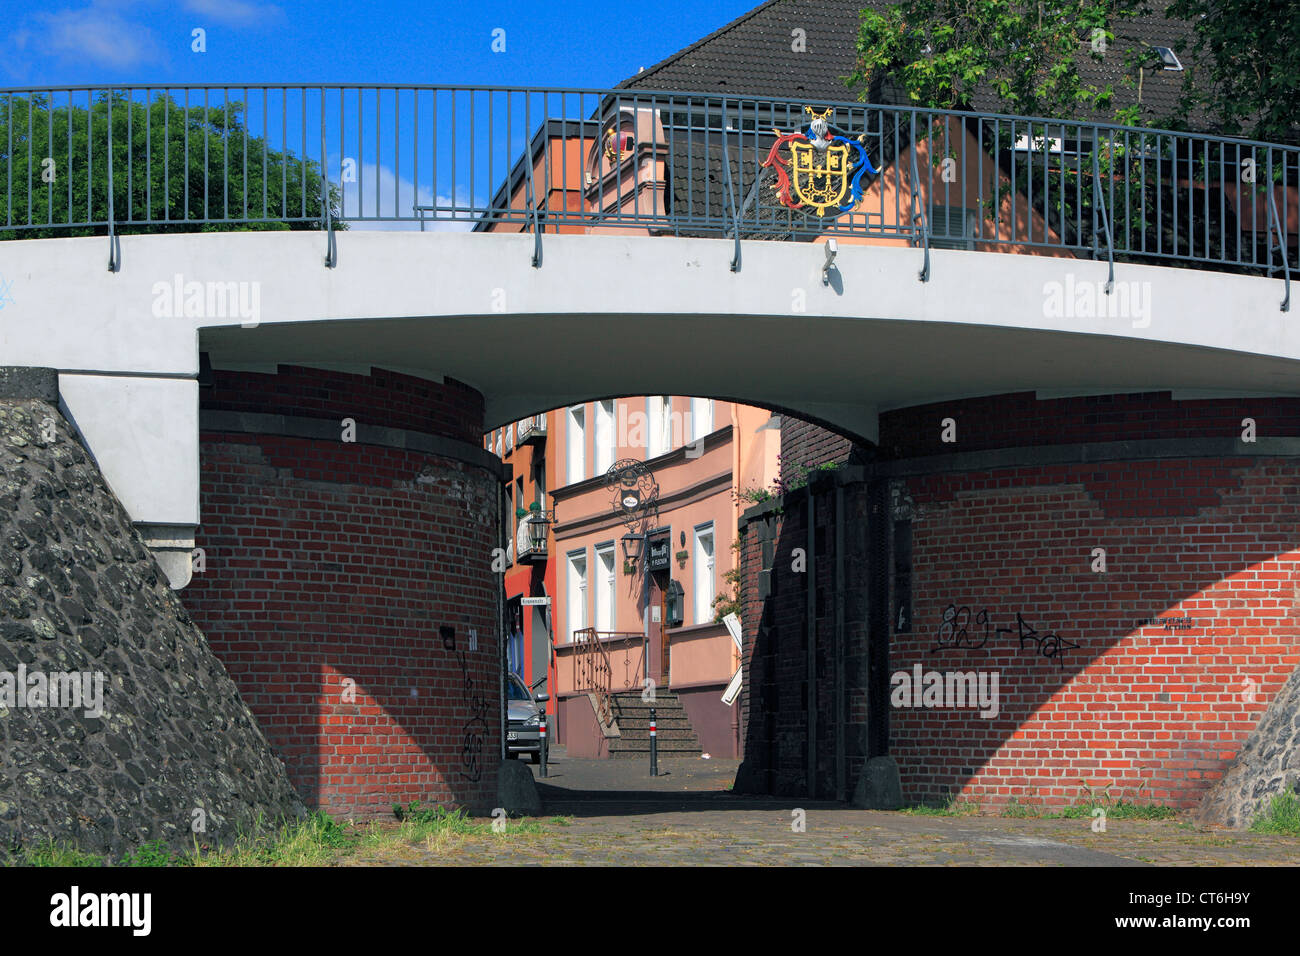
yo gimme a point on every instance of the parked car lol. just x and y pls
(523, 730)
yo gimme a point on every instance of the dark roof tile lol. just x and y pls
(755, 55)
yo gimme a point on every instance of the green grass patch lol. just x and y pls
(50, 853)
(1115, 808)
(952, 808)
(1282, 816)
(1017, 810)
(156, 854)
(318, 840)
(1119, 810)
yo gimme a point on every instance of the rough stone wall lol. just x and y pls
(79, 594)
(1268, 764)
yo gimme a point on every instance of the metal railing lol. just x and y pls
(531, 428)
(593, 671)
(529, 549)
(120, 160)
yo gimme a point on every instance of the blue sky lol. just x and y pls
(568, 43)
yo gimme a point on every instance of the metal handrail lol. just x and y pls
(641, 92)
(464, 157)
(532, 208)
(731, 192)
(1286, 264)
(592, 671)
(918, 207)
(1099, 207)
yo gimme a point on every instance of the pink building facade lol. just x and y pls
(657, 611)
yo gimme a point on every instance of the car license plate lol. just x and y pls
(511, 735)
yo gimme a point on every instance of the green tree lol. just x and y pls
(1144, 186)
(941, 51)
(173, 167)
(1245, 76)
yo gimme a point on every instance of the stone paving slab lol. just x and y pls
(592, 778)
(846, 837)
(615, 814)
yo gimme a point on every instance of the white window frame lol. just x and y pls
(575, 441)
(659, 425)
(606, 576)
(605, 418)
(575, 607)
(701, 418)
(705, 570)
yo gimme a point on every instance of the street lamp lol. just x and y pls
(538, 523)
(633, 546)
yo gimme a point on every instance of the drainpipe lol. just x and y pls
(501, 625)
(810, 602)
(841, 786)
(736, 464)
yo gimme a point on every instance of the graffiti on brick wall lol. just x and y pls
(959, 629)
(474, 732)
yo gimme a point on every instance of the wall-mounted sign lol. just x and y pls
(535, 602)
(635, 493)
(660, 548)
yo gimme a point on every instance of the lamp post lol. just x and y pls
(539, 522)
(637, 547)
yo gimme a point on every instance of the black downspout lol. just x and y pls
(841, 785)
(500, 581)
(811, 666)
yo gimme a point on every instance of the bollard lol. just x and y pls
(542, 742)
(654, 746)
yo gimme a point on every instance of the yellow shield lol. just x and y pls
(821, 177)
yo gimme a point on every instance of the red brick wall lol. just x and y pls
(808, 445)
(329, 561)
(385, 398)
(1019, 420)
(1156, 714)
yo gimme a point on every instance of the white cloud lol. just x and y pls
(99, 36)
(398, 198)
(235, 12)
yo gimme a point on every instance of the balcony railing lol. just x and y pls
(532, 429)
(134, 159)
(527, 549)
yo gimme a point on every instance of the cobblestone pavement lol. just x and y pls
(694, 821)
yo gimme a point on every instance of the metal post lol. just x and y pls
(542, 742)
(645, 598)
(654, 746)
